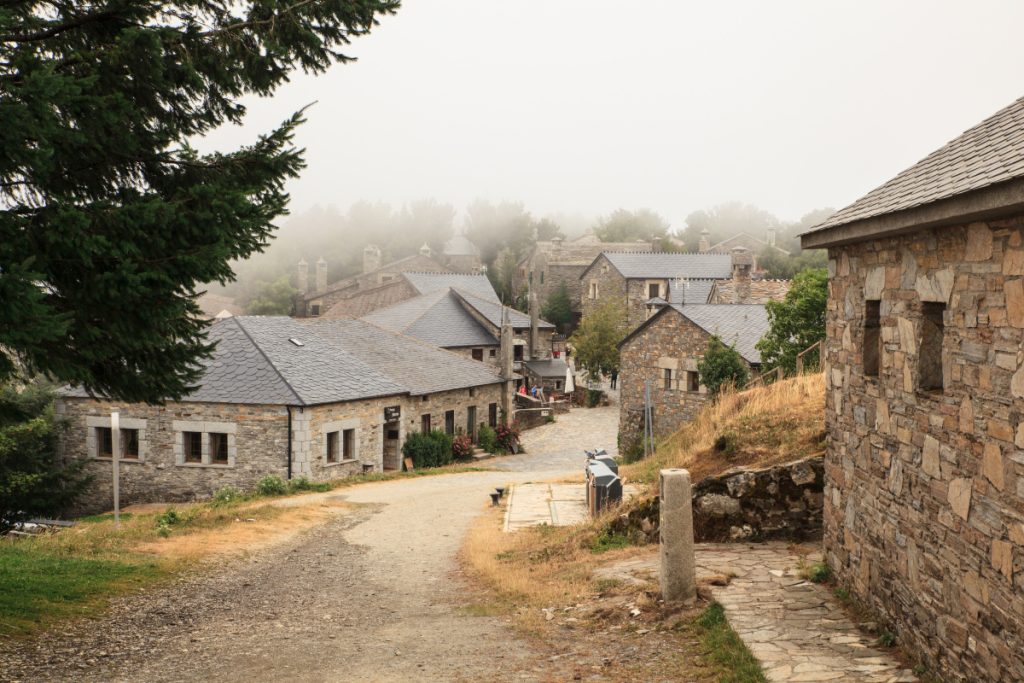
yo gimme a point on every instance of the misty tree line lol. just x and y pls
(503, 232)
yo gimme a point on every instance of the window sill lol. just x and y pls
(217, 466)
(104, 458)
(340, 462)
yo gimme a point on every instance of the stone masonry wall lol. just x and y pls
(924, 497)
(458, 400)
(670, 342)
(611, 286)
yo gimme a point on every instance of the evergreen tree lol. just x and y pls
(630, 226)
(110, 219)
(721, 366)
(273, 298)
(558, 308)
(796, 322)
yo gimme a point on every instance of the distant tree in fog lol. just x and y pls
(724, 221)
(631, 226)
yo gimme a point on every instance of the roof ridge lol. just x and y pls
(237, 319)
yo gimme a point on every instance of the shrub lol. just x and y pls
(165, 521)
(721, 366)
(462, 447)
(819, 572)
(594, 397)
(226, 495)
(726, 443)
(508, 438)
(303, 484)
(433, 449)
(271, 485)
(488, 438)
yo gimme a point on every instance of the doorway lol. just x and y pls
(471, 422)
(392, 447)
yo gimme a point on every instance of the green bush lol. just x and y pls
(727, 443)
(271, 485)
(721, 366)
(433, 449)
(300, 484)
(226, 495)
(594, 397)
(488, 438)
(165, 521)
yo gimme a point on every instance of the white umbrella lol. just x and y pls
(570, 386)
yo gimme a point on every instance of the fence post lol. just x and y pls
(678, 574)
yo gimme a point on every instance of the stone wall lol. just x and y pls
(924, 497)
(671, 342)
(366, 301)
(436, 405)
(611, 286)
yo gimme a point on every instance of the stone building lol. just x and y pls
(550, 263)
(549, 374)
(408, 285)
(377, 285)
(634, 278)
(746, 286)
(461, 255)
(465, 320)
(745, 240)
(319, 399)
(924, 497)
(661, 356)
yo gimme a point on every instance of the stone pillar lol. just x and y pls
(742, 262)
(321, 275)
(534, 328)
(505, 353)
(705, 242)
(303, 279)
(678, 574)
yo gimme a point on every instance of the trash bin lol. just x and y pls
(604, 488)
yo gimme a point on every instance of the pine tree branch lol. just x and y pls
(59, 28)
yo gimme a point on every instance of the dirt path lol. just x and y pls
(372, 595)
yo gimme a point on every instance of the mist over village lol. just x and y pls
(380, 341)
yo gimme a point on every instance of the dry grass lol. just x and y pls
(759, 427)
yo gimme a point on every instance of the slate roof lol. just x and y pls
(475, 283)
(579, 252)
(989, 153)
(657, 264)
(690, 291)
(553, 367)
(738, 325)
(438, 318)
(338, 360)
(491, 310)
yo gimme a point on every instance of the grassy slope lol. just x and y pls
(760, 427)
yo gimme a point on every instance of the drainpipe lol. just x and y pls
(289, 442)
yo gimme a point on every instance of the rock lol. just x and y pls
(979, 243)
(992, 465)
(717, 505)
(1017, 383)
(874, 283)
(930, 457)
(1002, 558)
(959, 496)
(1013, 290)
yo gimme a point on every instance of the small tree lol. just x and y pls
(796, 322)
(629, 226)
(596, 339)
(558, 308)
(273, 298)
(721, 366)
(33, 480)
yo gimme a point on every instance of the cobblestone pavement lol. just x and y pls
(795, 628)
(560, 445)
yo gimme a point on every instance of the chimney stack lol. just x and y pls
(321, 275)
(505, 353)
(742, 262)
(534, 328)
(371, 258)
(771, 237)
(425, 250)
(303, 279)
(705, 242)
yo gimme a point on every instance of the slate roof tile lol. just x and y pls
(656, 264)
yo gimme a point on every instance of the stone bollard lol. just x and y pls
(678, 576)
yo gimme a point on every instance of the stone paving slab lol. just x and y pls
(795, 628)
(533, 504)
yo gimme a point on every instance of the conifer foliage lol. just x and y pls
(109, 219)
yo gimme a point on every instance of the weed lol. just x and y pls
(727, 443)
(609, 540)
(300, 484)
(271, 485)
(226, 495)
(843, 594)
(887, 639)
(819, 572)
(725, 649)
(105, 517)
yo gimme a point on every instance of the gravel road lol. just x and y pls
(372, 595)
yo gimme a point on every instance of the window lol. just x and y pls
(542, 277)
(593, 289)
(425, 423)
(494, 353)
(333, 453)
(130, 444)
(314, 310)
(218, 448)
(930, 360)
(492, 415)
(478, 354)
(192, 444)
(872, 341)
(668, 378)
(517, 352)
(693, 381)
(472, 392)
(348, 442)
(653, 290)
(449, 422)
(104, 442)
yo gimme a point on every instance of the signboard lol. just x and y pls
(392, 413)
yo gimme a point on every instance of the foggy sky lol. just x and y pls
(584, 106)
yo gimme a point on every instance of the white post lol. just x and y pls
(678, 574)
(115, 447)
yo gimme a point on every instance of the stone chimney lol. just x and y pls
(303, 279)
(771, 237)
(742, 262)
(556, 241)
(321, 275)
(425, 250)
(535, 353)
(505, 353)
(371, 258)
(705, 242)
